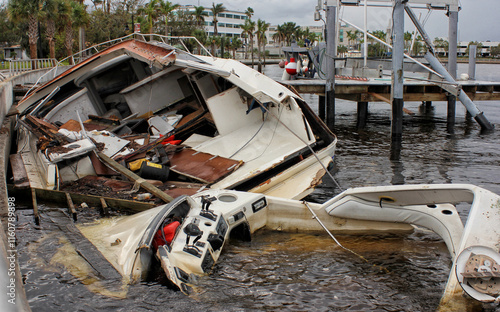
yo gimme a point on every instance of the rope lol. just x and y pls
(305, 143)
(337, 242)
(250, 140)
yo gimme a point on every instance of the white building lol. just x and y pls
(229, 22)
(485, 50)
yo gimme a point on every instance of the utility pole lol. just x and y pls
(397, 70)
(331, 10)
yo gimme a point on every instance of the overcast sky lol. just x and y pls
(479, 20)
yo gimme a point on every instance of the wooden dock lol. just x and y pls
(365, 90)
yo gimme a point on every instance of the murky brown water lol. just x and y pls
(275, 271)
(301, 272)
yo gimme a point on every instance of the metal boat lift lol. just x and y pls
(399, 7)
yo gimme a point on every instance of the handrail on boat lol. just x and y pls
(82, 55)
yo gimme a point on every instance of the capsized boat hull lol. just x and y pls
(358, 210)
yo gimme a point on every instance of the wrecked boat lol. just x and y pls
(264, 137)
(185, 237)
(146, 120)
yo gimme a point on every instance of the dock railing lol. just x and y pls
(19, 66)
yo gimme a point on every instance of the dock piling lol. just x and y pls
(330, 60)
(397, 70)
(452, 107)
(453, 41)
(362, 114)
(452, 63)
(472, 61)
(321, 107)
(35, 206)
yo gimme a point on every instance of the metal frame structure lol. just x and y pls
(399, 8)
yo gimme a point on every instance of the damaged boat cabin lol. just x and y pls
(182, 122)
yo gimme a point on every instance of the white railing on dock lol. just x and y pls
(18, 66)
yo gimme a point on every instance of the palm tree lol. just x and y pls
(305, 34)
(290, 29)
(313, 37)
(278, 36)
(64, 12)
(299, 34)
(201, 35)
(216, 9)
(418, 46)
(249, 12)
(214, 42)
(248, 29)
(349, 35)
(166, 8)
(81, 29)
(377, 48)
(407, 36)
(21, 10)
(341, 50)
(70, 14)
(199, 15)
(235, 45)
(262, 27)
(49, 13)
(380, 34)
(441, 43)
(245, 33)
(150, 10)
(353, 36)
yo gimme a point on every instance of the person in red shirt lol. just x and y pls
(166, 234)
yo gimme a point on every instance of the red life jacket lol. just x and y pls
(168, 231)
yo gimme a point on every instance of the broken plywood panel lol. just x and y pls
(203, 167)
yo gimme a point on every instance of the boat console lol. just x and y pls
(198, 242)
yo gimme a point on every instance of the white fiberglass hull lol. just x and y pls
(359, 210)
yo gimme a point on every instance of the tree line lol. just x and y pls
(413, 44)
(57, 28)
